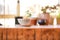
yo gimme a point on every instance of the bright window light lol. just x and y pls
(24, 4)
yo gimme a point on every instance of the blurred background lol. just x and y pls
(9, 9)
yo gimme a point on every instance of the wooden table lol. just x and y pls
(29, 33)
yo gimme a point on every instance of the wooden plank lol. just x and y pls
(4, 34)
(38, 34)
(57, 34)
(1, 33)
(20, 34)
(28, 34)
(47, 34)
(12, 34)
(7, 16)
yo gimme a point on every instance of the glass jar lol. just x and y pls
(43, 19)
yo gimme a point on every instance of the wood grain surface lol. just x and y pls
(29, 34)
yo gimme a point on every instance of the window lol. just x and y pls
(8, 8)
(25, 4)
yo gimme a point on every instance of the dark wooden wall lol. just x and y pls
(29, 34)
